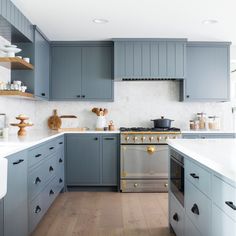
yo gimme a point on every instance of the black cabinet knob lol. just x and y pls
(51, 148)
(83, 96)
(231, 205)
(78, 96)
(43, 94)
(51, 169)
(195, 209)
(51, 192)
(96, 138)
(38, 155)
(194, 176)
(37, 209)
(37, 180)
(176, 217)
(61, 143)
(60, 160)
(60, 180)
(18, 162)
(187, 96)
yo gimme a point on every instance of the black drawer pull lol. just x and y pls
(51, 169)
(61, 143)
(176, 217)
(38, 155)
(60, 160)
(194, 176)
(195, 209)
(60, 180)
(51, 192)
(51, 148)
(78, 96)
(95, 138)
(109, 138)
(83, 96)
(43, 94)
(231, 205)
(37, 209)
(18, 162)
(37, 180)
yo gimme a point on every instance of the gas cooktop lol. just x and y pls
(142, 129)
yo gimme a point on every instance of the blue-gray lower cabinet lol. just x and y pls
(82, 71)
(1, 218)
(91, 160)
(149, 58)
(208, 72)
(16, 199)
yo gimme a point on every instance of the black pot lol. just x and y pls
(162, 123)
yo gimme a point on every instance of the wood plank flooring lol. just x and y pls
(106, 214)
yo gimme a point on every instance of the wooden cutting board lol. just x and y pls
(54, 121)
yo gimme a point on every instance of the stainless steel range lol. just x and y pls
(144, 159)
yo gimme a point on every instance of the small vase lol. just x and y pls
(101, 122)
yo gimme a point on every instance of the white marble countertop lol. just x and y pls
(218, 155)
(207, 131)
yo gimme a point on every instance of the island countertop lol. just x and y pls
(218, 155)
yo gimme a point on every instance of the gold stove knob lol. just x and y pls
(151, 138)
(143, 138)
(127, 138)
(135, 138)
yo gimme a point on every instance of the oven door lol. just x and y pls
(177, 179)
(144, 161)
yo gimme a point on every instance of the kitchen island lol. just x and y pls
(203, 172)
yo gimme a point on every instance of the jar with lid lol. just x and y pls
(202, 120)
(214, 122)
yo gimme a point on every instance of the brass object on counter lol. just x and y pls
(150, 149)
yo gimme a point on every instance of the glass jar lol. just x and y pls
(214, 123)
(202, 120)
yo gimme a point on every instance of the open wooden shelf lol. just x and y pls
(15, 63)
(17, 94)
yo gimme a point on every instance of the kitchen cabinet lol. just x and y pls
(208, 72)
(37, 80)
(91, 160)
(149, 58)
(208, 135)
(15, 201)
(82, 71)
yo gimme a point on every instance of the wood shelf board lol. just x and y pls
(15, 63)
(17, 94)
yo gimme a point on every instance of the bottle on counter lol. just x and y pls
(214, 122)
(201, 117)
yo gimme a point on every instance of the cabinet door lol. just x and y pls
(83, 160)
(41, 66)
(109, 160)
(15, 201)
(1, 218)
(97, 82)
(66, 72)
(207, 72)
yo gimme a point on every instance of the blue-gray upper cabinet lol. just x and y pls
(1, 218)
(97, 82)
(208, 72)
(37, 80)
(83, 159)
(141, 59)
(15, 201)
(82, 71)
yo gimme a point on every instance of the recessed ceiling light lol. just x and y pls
(210, 22)
(100, 21)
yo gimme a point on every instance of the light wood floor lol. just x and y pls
(106, 214)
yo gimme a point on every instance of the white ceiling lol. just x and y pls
(72, 19)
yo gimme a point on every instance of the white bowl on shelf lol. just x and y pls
(9, 50)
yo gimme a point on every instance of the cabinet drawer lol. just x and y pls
(198, 208)
(224, 195)
(176, 216)
(198, 176)
(37, 180)
(36, 212)
(222, 224)
(36, 155)
(190, 229)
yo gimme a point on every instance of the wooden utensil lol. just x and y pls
(54, 121)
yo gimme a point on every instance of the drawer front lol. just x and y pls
(198, 176)
(224, 195)
(190, 229)
(37, 180)
(36, 155)
(176, 216)
(198, 208)
(223, 225)
(36, 212)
